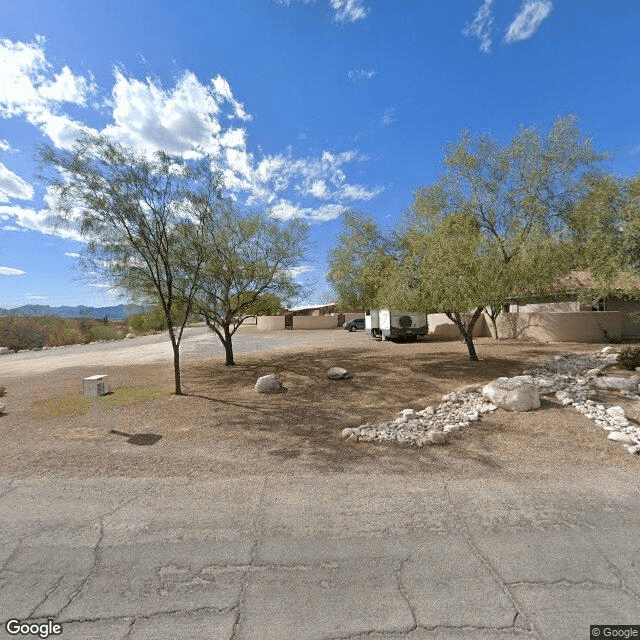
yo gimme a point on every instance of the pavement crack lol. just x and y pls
(6, 563)
(46, 597)
(461, 529)
(125, 503)
(252, 555)
(404, 594)
(73, 596)
(623, 586)
(148, 616)
(130, 629)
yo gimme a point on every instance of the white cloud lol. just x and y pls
(191, 119)
(298, 271)
(4, 145)
(348, 10)
(388, 117)
(27, 219)
(28, 88)
(184, 120)
(71, 254)
(13, 186)
(286, 210)
(526, 23)
(361, 74)
(344, 10)
(9, 271)
(481, 26)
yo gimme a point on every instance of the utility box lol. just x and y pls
(95, 386)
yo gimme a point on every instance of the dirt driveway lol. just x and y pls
(229, 515)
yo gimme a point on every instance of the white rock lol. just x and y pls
(268, 384)
(436, 437)
(4, 350)
(618, 436)
(337, 373)
(613, 383)
(513, 394)
(130, 335)
(607, 350)
(347, 432)
(430, 411)
(406, 413)
(594, 372)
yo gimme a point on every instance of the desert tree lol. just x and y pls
(360, 261)
(130, 208)
(508, 203)
(242, 263)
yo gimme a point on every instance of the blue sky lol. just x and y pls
(309, 107)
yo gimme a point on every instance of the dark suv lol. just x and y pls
(354, 325)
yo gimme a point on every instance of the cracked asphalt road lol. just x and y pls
(275, 557)
(332, 556)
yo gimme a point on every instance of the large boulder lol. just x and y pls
(513, 394)
(614, 384)
(268, 384)
(4, 350)
(337, 373)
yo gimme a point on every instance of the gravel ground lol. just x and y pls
(223, 428)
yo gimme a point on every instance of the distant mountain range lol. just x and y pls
(117, 312)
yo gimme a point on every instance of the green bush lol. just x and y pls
(104, 332)
(629, 358)
(154, 319)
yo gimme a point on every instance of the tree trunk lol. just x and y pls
(228, 347)
(495, 327)
(176, 367)
(176, 359)
(470, 347)
(466, 333)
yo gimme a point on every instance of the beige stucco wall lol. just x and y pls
(583, 326)
(546, 307)
(314, 322)
(441, 328)
(270, 323)
(629, 328)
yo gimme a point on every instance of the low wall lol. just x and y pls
(441, 328)
(270, 323)
(314, 322)
(583, 326)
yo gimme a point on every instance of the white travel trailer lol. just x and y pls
(388, 324)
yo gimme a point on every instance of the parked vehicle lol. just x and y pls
(389, 324)
(356, 324)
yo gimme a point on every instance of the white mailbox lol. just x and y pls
(95, 386)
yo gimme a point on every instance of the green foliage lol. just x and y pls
(243, 262)
(361, 263)
(267, 305)
(132, 210)
(104, 332)
(629, 358)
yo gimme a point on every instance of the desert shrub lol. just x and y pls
(104, 332)
(154, 319)
(629, 358)
(17, 332)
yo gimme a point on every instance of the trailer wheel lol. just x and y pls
(352, 328)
